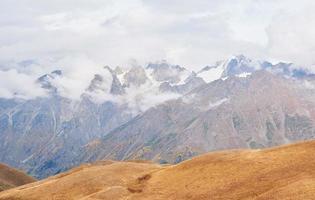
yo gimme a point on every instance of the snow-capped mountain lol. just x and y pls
(242, 66)
(234, 66)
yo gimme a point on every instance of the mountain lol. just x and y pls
(162, 112)
(164, 72)
(43, 135)
(10, 178)
(234, 66)
(241, 66)
(261, 110)
(284, 172)
(190, 83)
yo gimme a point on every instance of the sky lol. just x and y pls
(79, 36)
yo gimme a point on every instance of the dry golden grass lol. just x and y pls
(10, 178)
(286, 172)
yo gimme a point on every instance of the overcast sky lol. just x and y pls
(80, 35)
(190, 33)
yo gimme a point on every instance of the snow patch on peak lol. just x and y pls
(239, 65)
(210, 74)
(244, 75)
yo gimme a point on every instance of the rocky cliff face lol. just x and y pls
(162, 112)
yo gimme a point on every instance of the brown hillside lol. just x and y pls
(279, 173)
(10, 178)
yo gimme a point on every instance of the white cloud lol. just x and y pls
(17, 85)
(78, 71)
(147, 96)
(136, 98)
(292, 36)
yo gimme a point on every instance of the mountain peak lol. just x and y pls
(135, 76)
(57, 72)
(239, 57)
(165, 72)
(106, 82)
(233, 66)
(239, 64)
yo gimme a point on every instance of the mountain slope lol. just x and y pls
(261, 110)
(10, 178)
(279, 173)
(43, 135)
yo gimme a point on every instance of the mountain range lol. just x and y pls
(162, 112)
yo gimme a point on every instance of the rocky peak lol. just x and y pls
(118, 70)
(135, 76)
(291, 70)
(242, 66)
(164, 72)
(237, 65)
(106, 82)
(46, 80)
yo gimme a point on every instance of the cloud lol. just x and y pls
(78, 71)
(145, 97)
(136, 98)
(17, 85)
(80, 36)
(190, 33)
(292, 36)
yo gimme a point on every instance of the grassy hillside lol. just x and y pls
(285, 172)
(10, 178)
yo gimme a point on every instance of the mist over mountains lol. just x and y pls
(161, 112)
